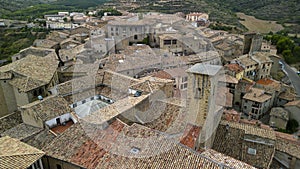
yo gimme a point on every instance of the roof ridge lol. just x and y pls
(15, 155)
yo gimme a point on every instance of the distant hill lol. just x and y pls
(24, 9)
(224, 11)
(278, 10)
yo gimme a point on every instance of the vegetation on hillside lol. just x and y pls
(13, 40)
(283, 11)
(288, 47)
(224, 11)
(109, 11)
(30, 9)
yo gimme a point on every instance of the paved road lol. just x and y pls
(294, 78)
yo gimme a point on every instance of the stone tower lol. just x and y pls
(252, 43)
(202, 107)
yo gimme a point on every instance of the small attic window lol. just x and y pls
(135, 150)
(252, 151)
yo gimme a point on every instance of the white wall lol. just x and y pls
(63, 118)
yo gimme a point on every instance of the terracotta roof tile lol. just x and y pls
(234, 67)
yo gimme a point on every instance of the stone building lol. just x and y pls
(234, 70)
(249, 65)
(50, 112)
(256, 103)
(201, 100)
(293, 108)
(24, 80)
(196, 16)
(279, 117)
(271, 87)
(252, 42)
(250, 144)
(264, 64)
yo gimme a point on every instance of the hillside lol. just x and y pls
(283, 11)
(224, 11)
(25, 9)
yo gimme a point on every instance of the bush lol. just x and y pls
(292, 126)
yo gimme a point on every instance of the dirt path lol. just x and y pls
(257, 25)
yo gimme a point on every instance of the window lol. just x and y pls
(185, 85)
(181, 86)
(58, 166)
(167, 42)
(135, 37)
(112, 34)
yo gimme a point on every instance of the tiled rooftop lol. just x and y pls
(288, 146)
(16, 154)
(33, 71)
(41, 139)
(247, 61)
(229, 161)
(257, 95)
(9, 121)
(165, 117)
(263, 57)
(269, 84)
(21, 131)
(234, 67)
(229, 79)
(44, 43)
(287, 95)
(293, 103)
(233, 141)
(190, 135)
(47, 109)
(89, 146)
(231, 115)
(251, 130)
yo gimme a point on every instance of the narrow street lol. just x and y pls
(294, 78)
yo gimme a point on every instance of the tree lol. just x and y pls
(292, 126)
(296, 52)
(288, 56)
(284, 43)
